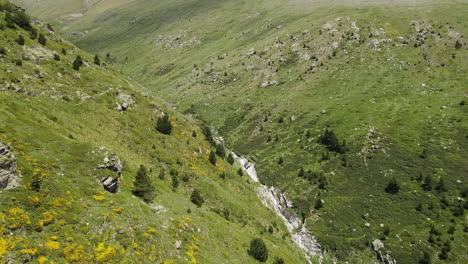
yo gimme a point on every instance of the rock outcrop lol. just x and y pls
(124, 102)
(109, 183)
(9, 179)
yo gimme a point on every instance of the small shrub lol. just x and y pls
(20, 40)
(64, 51)
(186, 178)
(258, 250)
(212, 158)
(196, 198)
(392, 187)
(56, 57)
(19, 62)
(220, 151)
(240, 172)
(77, 63)
(164, 125)
(458, 45)
(175, 181)
(97, 61)
(42, 39)
(318, 204)
(230, 159)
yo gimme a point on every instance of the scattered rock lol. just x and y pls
(178, 244)
(377, 244)
(9, 179)
(125, 100)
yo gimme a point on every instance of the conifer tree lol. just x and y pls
(392, 187)
(213, 158)
(220, 151)
(164, 124)
(230, 159)
(196, 198)
(143, 185)
(97, 61)
(42, 39)
(77, 63)
(258, 250)
(20, 40)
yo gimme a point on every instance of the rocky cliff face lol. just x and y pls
(9, 179)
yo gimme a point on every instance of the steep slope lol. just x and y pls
(387, 77)
(64, 131)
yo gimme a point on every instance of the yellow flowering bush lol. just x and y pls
(17, 218)
(49, 217)
(42, 259)
(104, 253)
(73, 252)
(6, 244)
(52, 245)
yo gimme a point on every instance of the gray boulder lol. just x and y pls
(9, 179)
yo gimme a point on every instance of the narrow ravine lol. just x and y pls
(277, 201)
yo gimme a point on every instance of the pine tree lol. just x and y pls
(143, 185)
(258, 250)
(458, 45)
(212, 158)
(240, 172)
(33, 34)
(208, 135)
(393, 187)
(426, 259)
(220, 151)
(427, 185)
(230, 159)
(164, 125)
(77, 63)
(318, 204)
(196, 198)
(301, 172)
(441, 186)
(97, 61)
(42, 39)
(20, 40)
(175, 181)
(64, 51)
(56, 57)
(22, 20)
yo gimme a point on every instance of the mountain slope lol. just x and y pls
(61, 134)
(387, 77)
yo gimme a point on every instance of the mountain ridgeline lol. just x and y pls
(354, 110)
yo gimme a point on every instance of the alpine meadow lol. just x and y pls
(233, 131)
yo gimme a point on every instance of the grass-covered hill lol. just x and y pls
(386, 79)
(63, 131)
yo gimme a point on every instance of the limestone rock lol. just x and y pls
(9, 179)
(377, 244)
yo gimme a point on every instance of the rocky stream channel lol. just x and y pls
(277, 201)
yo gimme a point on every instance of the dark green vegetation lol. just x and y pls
(143, 185)
(258, 250)
(69, 139)
(386, 79)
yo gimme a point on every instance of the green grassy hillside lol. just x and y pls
(389, 78)
(61, 123)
